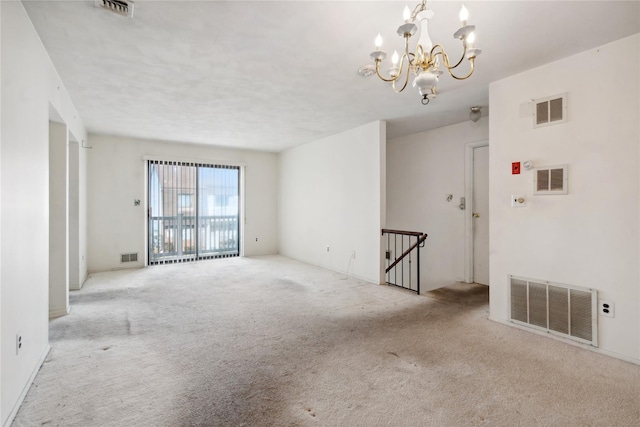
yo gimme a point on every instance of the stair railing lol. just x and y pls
(402, 269)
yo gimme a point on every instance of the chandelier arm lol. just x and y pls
(406, 80)
(389, 80)
(400, 70)
(468, 75)
(464, 53)
(443, 53)
(445, 59)
(393, 80)
(407, 54)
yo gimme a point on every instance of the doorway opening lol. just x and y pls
(477, 213)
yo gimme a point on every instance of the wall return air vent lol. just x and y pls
(563, 310)
(550, 111)
(551, 180)
(121, 7)
(132, 257)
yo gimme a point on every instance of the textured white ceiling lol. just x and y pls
(269, 75)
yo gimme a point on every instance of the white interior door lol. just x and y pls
(481, 215)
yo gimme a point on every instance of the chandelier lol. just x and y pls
(427, 58)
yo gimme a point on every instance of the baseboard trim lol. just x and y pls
(335, 270)
(26, 388)
(570, 342)
(81, 284)
(59, 312)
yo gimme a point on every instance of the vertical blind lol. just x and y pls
(194, 211)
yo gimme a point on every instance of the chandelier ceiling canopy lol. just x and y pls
(425, 60)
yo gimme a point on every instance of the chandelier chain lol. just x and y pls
(419, 8)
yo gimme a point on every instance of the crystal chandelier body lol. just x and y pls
(427, 58)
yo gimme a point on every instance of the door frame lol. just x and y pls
(242, 242)
(468, 217)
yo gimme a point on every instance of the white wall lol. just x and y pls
(421, 170)
(58, 220)
(75, 276)
(29, 85)
(2, 417)
(77, 218)
(116, 175)
(589, 237)
(332, 194)
(83, 231)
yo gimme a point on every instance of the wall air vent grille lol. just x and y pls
(550, 111)
(567, 311)
(542, 113)
(132, 257)
(555, 110)
(121, 7)
(551, 180)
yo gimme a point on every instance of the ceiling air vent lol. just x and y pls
(550, 111)
(121, 7)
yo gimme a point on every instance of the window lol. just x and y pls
(185, 201)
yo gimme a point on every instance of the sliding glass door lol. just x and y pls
(194, 211)
(218, 211)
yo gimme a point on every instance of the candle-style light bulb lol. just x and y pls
(406, 14)
(464, 15)
(470, 39)
(378, 42)
(395, 58)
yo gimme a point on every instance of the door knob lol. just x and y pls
(476, 215)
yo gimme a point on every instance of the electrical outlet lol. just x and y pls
(353, 254)
(18, 342)
(606, 308)
(327, 248)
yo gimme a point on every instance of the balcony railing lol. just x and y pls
(187, 237)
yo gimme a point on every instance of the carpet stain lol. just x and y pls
(310, 411)
(393, 354)
(106, 348)
(289, 285)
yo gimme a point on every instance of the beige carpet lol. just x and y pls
(273, 342)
